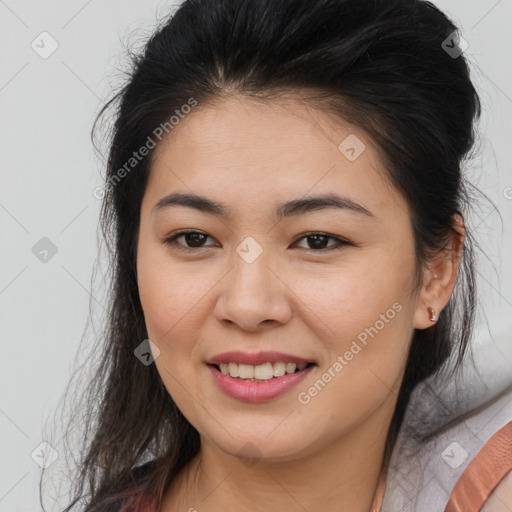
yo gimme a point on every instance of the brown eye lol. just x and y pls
(193, 239)
(318, 242)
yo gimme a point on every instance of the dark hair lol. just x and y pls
(382, 65)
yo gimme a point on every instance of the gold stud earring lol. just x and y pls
(431, 314)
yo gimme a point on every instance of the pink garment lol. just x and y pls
(484, 473)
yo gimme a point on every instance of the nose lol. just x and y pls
(253, 296)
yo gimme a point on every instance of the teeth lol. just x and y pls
(246, 371)
(279, 369)
(290, 367)
(233, 369)
(265, 371)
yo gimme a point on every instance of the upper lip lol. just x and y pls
(256, 359)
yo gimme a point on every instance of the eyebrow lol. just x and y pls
(283, 210)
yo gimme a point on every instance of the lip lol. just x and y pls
(256, 359)
(247, 391)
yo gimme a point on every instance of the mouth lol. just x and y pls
(261, 373)
(260, 383)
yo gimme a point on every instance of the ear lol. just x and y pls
(440, 276)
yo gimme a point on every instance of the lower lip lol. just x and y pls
(257, 391)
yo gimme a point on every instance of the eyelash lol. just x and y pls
(171, 241)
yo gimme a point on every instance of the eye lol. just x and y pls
(195, 240)
(318, 241)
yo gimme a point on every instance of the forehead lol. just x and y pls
(254, 151)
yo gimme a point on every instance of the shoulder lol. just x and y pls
(487, 480)
(452, 462)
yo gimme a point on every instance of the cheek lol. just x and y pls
(369, 330)
(168, 293)
(347, 300)
(171, 301)
(364, 315)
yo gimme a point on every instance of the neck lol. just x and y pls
(342, 475)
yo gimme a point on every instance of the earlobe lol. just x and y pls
(432, 314)
(425, 317)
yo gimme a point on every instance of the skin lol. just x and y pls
(325, 455)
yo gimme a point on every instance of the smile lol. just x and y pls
(261, 372)
(258, 383)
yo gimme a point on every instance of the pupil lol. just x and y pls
(316, 238)
(192, 235)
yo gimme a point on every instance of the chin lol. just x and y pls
(279, 446)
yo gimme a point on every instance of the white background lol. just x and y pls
(49, 172)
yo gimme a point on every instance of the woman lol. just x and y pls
(286, 210)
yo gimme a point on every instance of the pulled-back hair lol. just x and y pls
(382, 65)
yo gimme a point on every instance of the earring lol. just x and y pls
(431, 314)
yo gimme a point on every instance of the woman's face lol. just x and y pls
(252, 281)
